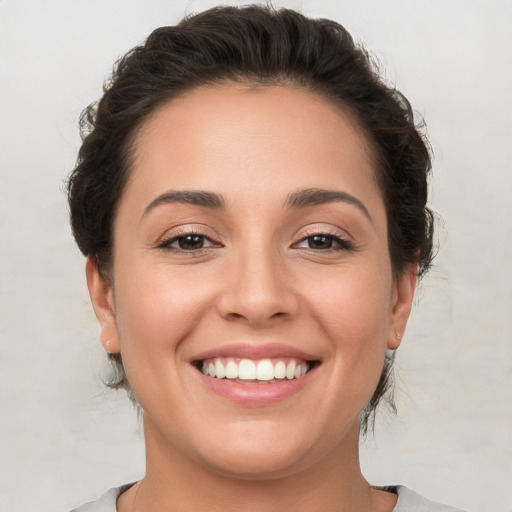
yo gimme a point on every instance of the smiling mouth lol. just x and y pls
(250, 371)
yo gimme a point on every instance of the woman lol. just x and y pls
(251, 199)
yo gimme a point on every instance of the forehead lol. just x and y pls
(235, 137)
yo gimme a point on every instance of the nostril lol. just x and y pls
(236, 315)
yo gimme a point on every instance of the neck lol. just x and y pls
(177, 482)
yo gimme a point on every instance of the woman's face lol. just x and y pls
(252, 239)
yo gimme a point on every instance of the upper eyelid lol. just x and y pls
(179, 231)
(332, 231)
(322, 231)
(326, 234)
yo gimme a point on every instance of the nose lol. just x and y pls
(257, 290)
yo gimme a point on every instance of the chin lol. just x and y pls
(264, 452)
(256, 464)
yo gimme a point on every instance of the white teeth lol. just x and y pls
(246, 369)
(231, 370)
(280, 370)
(265, 370)
(220, 371)
(290, 370)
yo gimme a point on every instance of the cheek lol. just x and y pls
(155, 311)
(354, 311)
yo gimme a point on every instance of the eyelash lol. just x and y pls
(176, 237)
(342, 243)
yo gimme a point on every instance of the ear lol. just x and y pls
(403, 295)
(103, 303)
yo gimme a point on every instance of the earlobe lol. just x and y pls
(102, 301)
(402, 304)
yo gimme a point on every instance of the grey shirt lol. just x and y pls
(408, 501)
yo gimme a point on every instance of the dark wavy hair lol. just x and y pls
(259, 46)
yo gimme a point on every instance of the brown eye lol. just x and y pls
(187, 242)
(325, 242)
(191, 242)
(320, 242)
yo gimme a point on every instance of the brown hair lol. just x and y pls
(262, 46)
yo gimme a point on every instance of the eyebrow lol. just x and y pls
(299, 199)
(317, 196)
(193, 197)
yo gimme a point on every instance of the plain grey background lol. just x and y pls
(64, 439)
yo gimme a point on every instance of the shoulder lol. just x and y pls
(409, 501)
(107, 502)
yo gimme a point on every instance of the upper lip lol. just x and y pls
(250, 351)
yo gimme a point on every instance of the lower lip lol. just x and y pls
(255, 394)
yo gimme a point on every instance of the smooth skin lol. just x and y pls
(253, 270)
